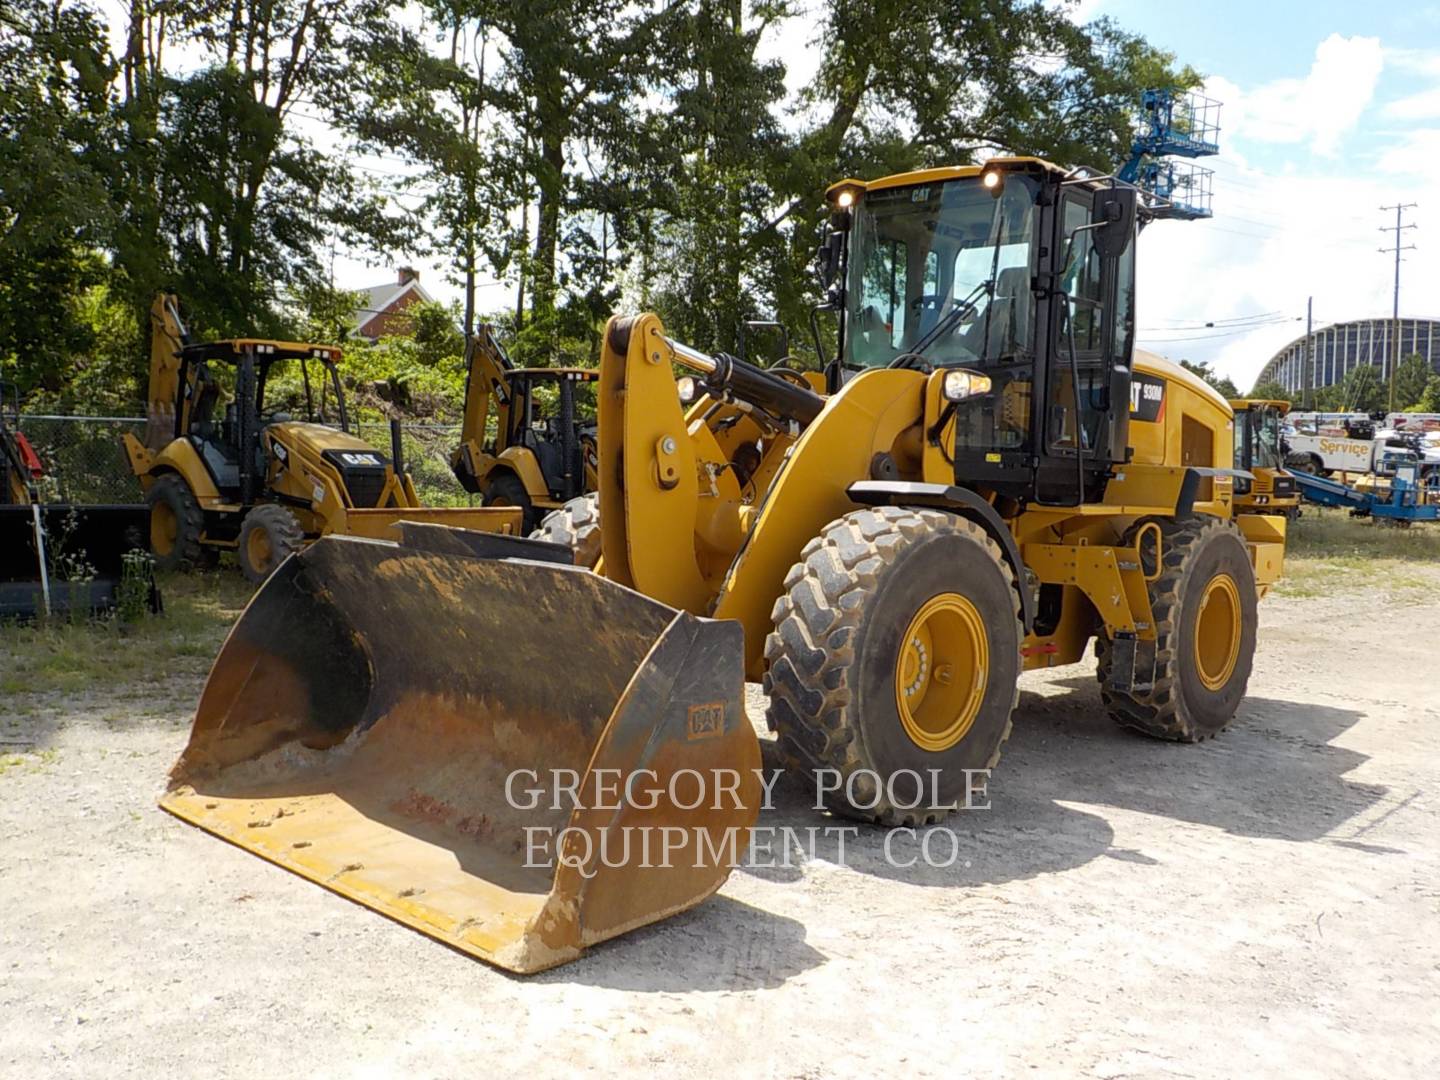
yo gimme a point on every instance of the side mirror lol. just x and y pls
(1115, 210)
(828, 257)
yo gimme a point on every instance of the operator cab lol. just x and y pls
(246, 370)
(1259, 441)
(1021, 278)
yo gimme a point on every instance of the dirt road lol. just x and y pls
(1266, 903)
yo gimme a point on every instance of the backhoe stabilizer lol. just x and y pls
(516, 758)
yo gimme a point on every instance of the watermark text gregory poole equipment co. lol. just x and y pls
(588, 849)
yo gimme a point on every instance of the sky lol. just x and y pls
(1329, 111)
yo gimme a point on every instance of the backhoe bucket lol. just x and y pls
(516, 757)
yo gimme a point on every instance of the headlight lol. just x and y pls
(960, 384)
(687, 388)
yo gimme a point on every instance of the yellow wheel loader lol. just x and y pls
(534, 462)
(986, 480)
(247, 477)
(1260, 451)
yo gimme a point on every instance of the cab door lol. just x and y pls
(1086, 419)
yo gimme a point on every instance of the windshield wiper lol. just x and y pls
(951, 320)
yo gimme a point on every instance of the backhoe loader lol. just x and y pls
(533, 462)
(1260, 451)
(249, 478)
(984, 480)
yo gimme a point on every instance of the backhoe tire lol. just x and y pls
(268, 536)
(896, 650)
(176, 524)
(1203, 606)
(506, 489)
(577, 526)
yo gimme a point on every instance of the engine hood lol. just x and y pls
(318, 438)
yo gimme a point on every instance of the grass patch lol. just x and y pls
(1332, 533)
(1327, 551)
(35, 762)
(105, 655)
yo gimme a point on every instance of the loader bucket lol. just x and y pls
(82, 563)
(383, 715)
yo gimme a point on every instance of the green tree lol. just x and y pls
(434, 108)
(1411, 376)
(905, 84)
(1362, 390)
(1430, 400)
(55, 100)
(724, 133)
(248, 205)
(1271, 390)
(1221, 383)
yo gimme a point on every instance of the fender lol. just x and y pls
(181, 457)
(521, 461)
(967, 504)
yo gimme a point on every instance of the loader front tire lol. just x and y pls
(576, 525)
(504, 488)
(1203, 606)
(268, 536)
(896, 651)
(176, 523)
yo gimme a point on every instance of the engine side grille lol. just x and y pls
(364, 485)
(363, 474)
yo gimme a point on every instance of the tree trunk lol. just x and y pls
(547, 226)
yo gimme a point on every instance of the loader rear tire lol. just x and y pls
(896, 650)
(268, 536)
(1203, 606)
(577, 526)
(176, 523)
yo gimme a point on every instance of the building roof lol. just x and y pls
(380, 299)
(1282, 366)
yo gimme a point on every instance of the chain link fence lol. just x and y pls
(82, 456)
(427, 449)
(85, 462)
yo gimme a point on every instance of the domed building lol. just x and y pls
(1342, 346)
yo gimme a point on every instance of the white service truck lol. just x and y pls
(1326, 454)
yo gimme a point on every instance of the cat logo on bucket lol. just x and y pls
(705, 721)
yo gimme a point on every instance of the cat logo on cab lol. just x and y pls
(1147, 398)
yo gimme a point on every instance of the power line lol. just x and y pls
(1219, 334)
(1206, 324)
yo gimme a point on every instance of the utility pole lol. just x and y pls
(1399, 209)
(1307, 373)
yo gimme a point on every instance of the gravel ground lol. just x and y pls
(1265, 903)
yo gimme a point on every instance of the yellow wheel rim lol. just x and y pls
(941, 672)
(1217, 631)
(257, 547)
(164, 528)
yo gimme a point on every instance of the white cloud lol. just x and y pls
(1417, 153)
(1320, 108)
(1422, 106)
(1276, 239)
